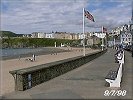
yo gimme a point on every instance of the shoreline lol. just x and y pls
(51, 50)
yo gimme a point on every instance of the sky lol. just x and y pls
(27, 16)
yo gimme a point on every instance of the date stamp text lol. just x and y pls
(115, 93)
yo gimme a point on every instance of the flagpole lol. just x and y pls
(114, 41)
(106, 36)
(83, 33)
(102, 38)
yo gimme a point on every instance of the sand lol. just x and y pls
(7, 80)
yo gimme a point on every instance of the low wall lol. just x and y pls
(29, 77)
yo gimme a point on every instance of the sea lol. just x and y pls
(14, 52)
(10, 53)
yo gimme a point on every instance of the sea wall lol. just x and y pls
(29, 77)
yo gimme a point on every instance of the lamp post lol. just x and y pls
(132, 39)
(114, 41)
(131, 31)
(132, 45)
(132, 28)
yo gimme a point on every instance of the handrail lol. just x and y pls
(118, 80)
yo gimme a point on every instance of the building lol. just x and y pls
(117, 30)
(49, 35)
(38, 35)
(27, 35)
(99, 34)
(86, 35)
(81, 36)
(60, 35)
(64, 35)
(41, 35)
(74, 36)
(34, 35)
(127, 32)
(93, 40)
(126, 36)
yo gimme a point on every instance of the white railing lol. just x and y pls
(117, 81)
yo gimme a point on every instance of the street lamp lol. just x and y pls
(132, 38)
(131, 31)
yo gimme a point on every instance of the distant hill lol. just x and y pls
(9, 34)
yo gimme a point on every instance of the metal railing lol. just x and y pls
(117, 81)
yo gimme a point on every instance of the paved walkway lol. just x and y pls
(85, 82)
(127, 83)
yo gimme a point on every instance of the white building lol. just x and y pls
(49, 35)
(117, 30)
(41, 35)
(81, 36)
(38, 35)
(126, 36)
(34, 35)
(99, 34)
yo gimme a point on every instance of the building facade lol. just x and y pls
(99, 34)
(34, 35)
(126, 36)
(41, 35)
(49, 35)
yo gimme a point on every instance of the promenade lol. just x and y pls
(7, 81)
(85, 82)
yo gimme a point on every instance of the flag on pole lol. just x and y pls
(88, 15)
(104, 30)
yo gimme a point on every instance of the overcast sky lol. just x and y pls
(27, 16)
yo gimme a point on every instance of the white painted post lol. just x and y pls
(102, 44)
(114, 42)
(106, 41)
(55, 44)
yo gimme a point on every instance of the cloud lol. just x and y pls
(27, 16)
(113, 16)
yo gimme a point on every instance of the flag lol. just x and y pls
(104, 30)
(89, 16)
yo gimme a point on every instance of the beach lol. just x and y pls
(7, 80)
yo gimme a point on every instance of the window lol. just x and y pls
(129, 39)
(123, 39)
(126, 39)
(129, 35)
